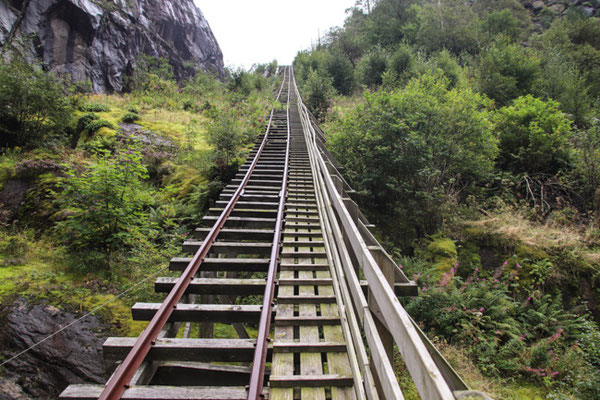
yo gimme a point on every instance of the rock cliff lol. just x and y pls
(99, 40)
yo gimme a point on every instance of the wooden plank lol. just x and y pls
(223, 264)
(338, 383)
(283, 363)
(226, 286)
(337, 362)
(204, 350)
(301, 347)
(310, 363)
(88, 392)
(223, 313)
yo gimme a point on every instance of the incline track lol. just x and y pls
(284, 233)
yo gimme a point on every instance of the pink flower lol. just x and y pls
(476, 269)
(401, 266)
(482, 309)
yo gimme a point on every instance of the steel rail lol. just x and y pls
(121, 379)
(257, 374)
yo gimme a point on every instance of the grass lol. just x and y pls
(31, 268)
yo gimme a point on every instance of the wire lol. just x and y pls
(81, 318)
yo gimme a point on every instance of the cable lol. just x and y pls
(82, 317)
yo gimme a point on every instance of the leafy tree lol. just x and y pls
(501, 23)
(371, 67)
(505, 71)
(445, 62)
(105, 208)
(152, 74)
(340, 69)
(402, 61)
(407, 151)
(449, 24)
(318, 92)
(533, 136)
(34, 105)
(225, 135)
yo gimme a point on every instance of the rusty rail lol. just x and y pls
(121, 379)
(257, 375)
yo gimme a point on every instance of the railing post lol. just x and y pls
(386, 337)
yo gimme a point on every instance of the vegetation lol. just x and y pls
(97, 192)
(469, 134)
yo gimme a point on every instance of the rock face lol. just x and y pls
(99, 40)
(561, 7)
(72, 356)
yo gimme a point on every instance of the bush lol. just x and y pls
(130, 117)
(533, 137)
(94, 107)
(506, 71)
(371, 67)
(407, 152)
(34, 106)
(224, 134)
(318, 92)
(104, 208)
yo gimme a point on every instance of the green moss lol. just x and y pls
(442, 251)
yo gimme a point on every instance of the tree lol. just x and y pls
(449, 24)
(34, 105)
(225, 135)
(318, 92)
(533, 136)
(407, 152)
(371, 67)
(501, 23)
(104, 207)
(506, 70)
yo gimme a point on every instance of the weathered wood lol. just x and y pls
(229, 248)
(315, 347)
(200, 312)
(227, 286)
(223, 264)
(204, 350)
(305, 299)
(88, 392)
(311, 381)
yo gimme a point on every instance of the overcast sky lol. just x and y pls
(258, 31)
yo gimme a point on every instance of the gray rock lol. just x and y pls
(100, 41)
(73, 356)
(538, 5)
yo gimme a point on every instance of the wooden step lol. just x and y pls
(85, 392)
(229, 248)
(223, 313)
(294, 381)
(223, 264)
(237, 234)
(227, 286)
(176, 349)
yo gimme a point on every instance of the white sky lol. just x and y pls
(258, 31)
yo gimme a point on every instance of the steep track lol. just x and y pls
(286, 233)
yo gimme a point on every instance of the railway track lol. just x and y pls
(273, 302)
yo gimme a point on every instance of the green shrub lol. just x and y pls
(318, 92)
(533, 136)
(407, 151)
(104, 208)
(130, 117)
(94, 107)
(506, 71)
(371, 67)
(224, 134)
(34, 106)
